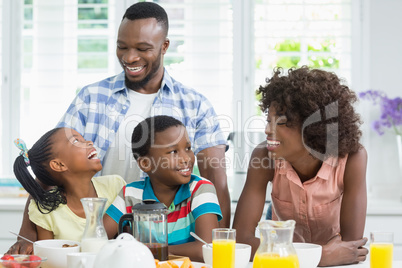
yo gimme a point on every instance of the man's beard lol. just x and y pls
(136, 85)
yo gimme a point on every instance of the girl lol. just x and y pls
(64, 164)
(315, 162)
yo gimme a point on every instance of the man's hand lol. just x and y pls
(338, 252)
(21, 247)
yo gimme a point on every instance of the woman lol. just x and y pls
(315, 162)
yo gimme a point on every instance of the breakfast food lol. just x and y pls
(171, 264)
(69, 246)
(20, 261)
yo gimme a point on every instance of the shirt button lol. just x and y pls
(124, 107)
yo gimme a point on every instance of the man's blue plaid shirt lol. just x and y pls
(99, 108)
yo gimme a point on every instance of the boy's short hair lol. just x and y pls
(144, 133)
(146, 10)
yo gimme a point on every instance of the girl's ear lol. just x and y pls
(57, 165)
(144, 163)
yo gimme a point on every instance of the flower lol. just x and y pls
(391, 111)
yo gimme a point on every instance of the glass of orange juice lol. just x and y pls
(223, 247)
(381, 249)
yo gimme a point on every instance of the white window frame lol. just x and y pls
(243, 62)
(10, 91)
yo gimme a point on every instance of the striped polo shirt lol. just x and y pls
(196, 198)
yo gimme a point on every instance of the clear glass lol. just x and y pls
(94, 236)
(223, 247)
(150, 227)
(276, 247)
(381, 249)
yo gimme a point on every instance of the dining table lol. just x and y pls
(365, 264)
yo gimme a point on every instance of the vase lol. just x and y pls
(399, 148)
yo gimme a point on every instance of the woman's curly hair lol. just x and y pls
(320, 104)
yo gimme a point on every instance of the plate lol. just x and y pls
(196, 264)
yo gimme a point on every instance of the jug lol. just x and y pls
(149, 226)
(94, 236)
(276, 247)
(124, 251)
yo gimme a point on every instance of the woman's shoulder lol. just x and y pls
(261, 158)
(358, 157)
(356, 166)
(261, 150)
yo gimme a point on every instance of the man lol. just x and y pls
(106, 112)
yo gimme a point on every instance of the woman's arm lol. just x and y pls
(354, 201)
(347, 247)
(251, 202)
(203, 228)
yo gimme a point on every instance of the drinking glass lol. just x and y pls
(381, 248)
(223, 247)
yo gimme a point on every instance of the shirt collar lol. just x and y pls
(167, 82)
(120, 84)
(284, 167)
(327, 167)
(148, 193)
(182, 194)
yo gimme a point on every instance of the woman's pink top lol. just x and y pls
(315, 205)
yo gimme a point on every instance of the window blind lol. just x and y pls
(222, 48)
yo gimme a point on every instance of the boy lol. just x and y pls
(162, 149)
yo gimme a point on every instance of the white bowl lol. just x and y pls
(242, 255)
(54, 251)
(309, 255)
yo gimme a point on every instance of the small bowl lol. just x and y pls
(309, 254)
(21, 261)
(242, 255)
(55, 252)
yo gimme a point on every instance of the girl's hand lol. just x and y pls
(338, 252)
(21, 247)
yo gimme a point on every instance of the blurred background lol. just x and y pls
(225, 49)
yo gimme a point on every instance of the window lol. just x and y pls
(57, 47)
(316, 33)
(92, 41)
(223, 48)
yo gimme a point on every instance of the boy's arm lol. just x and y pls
(203, 228)
(28, 230)
(110, 225)
(211, 163)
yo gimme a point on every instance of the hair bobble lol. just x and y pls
(23, 147)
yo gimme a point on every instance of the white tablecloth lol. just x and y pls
(366, 264)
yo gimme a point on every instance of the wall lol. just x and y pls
(381, 61)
